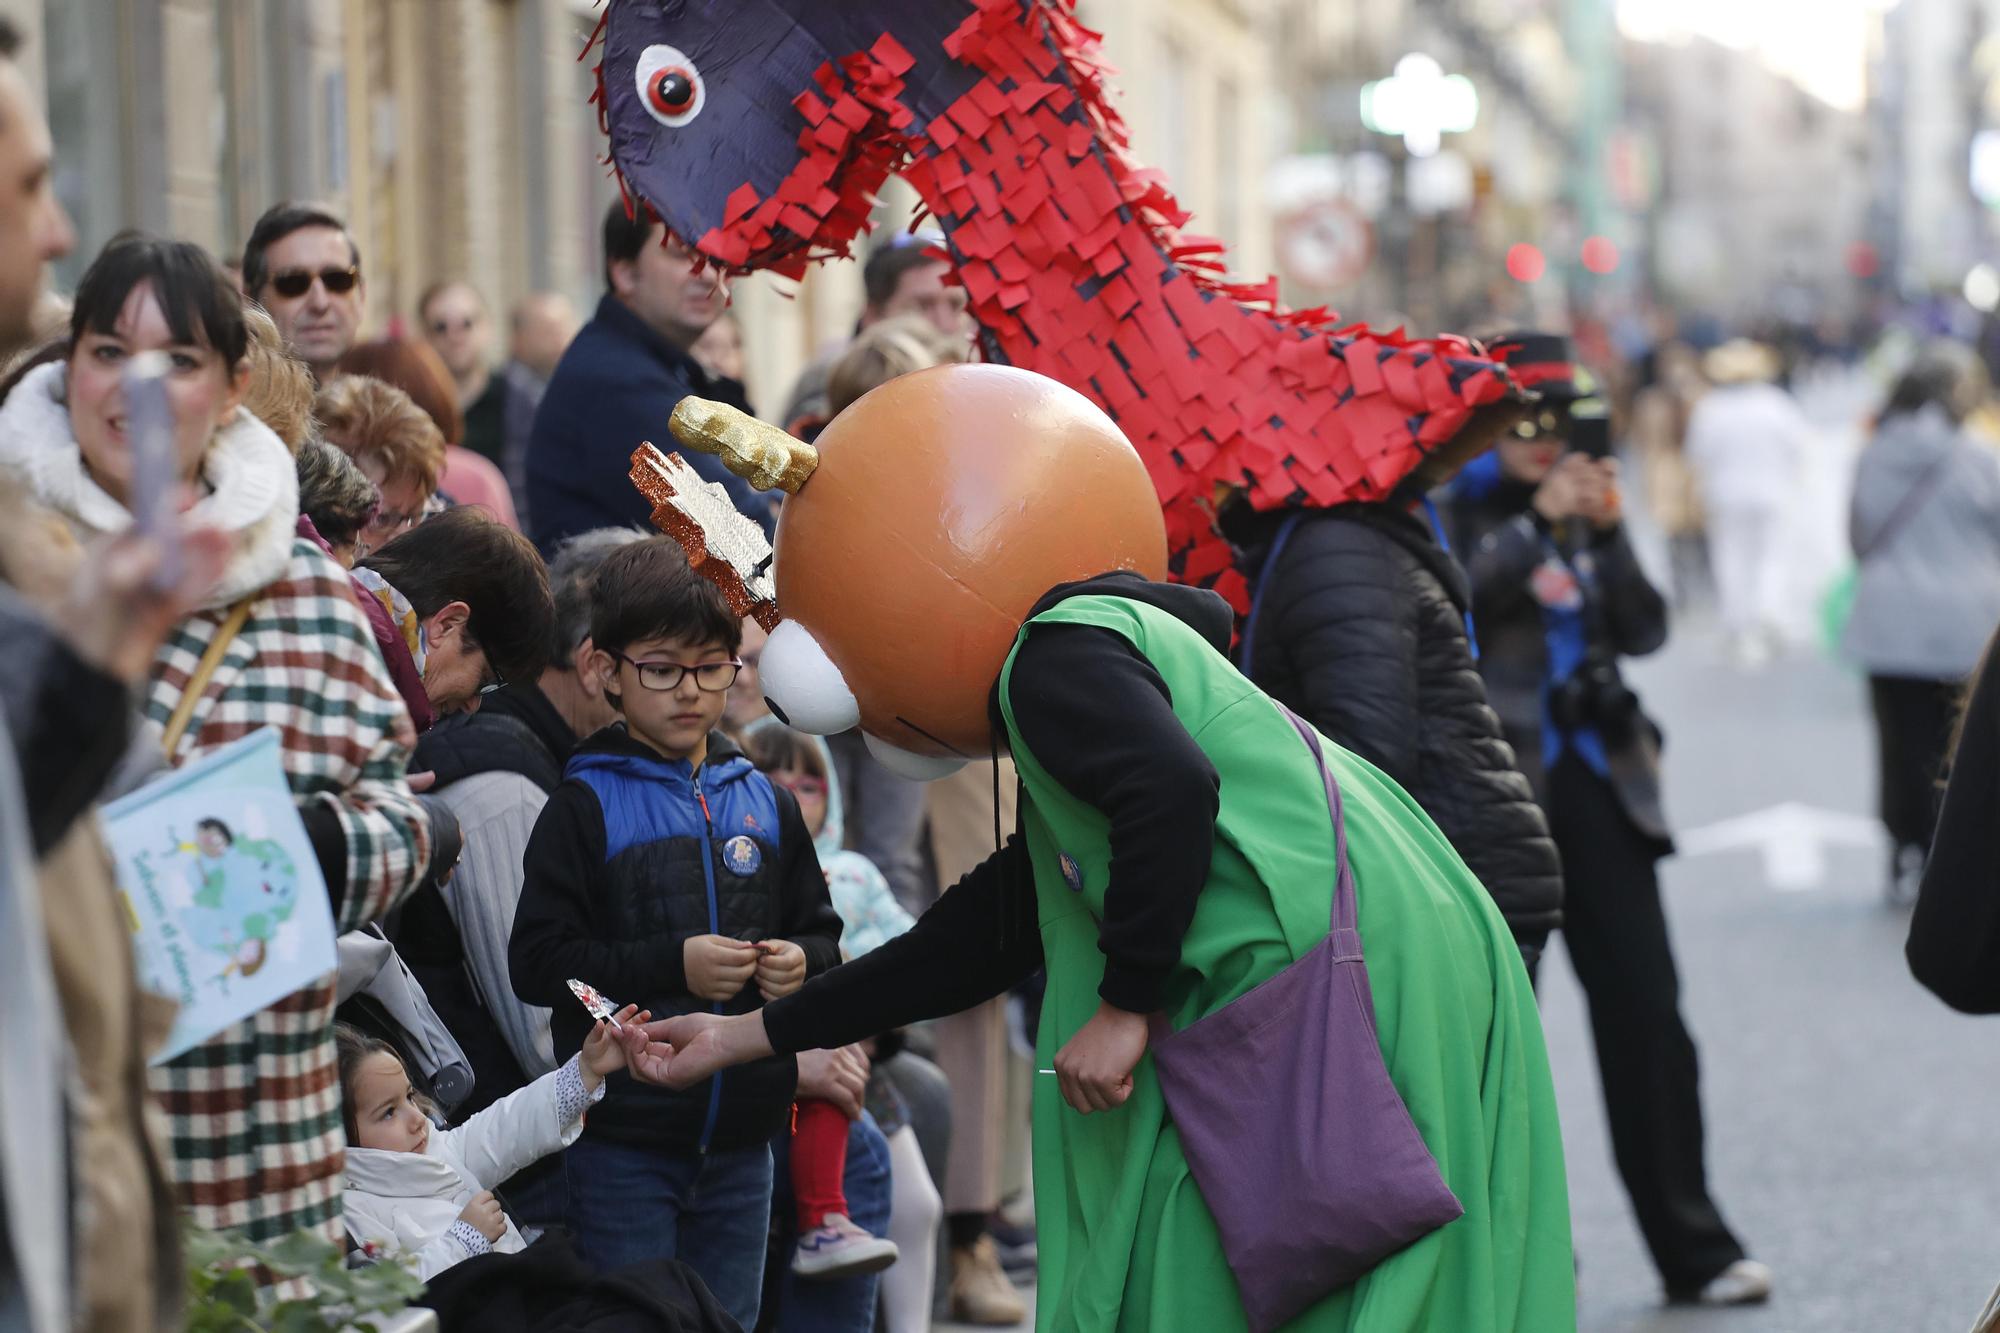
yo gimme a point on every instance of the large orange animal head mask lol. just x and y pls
(934, 514)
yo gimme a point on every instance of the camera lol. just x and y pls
(1595, 695)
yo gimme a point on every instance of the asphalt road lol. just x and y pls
(1852, 1142)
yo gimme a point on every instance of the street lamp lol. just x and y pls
(1420, 102)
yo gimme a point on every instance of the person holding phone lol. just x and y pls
(1559, 598)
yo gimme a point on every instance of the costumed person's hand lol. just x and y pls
(485, 1215)
(603, 1051)
(717, 966)
(1094, 1068)
(837, 1076)
(1601, 501)
(1560, 496)
(115, 617)
(781, 968)
(683, 1051)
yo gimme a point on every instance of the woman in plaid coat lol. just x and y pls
(254, 1112)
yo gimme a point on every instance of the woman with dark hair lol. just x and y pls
(279, 643)
(418, 371)
(1925, 526)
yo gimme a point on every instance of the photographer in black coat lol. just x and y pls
(1559, 598)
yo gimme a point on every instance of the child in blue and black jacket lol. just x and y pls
(667, 872)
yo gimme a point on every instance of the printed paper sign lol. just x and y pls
(223, 895)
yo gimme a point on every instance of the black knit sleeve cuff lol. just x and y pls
(1135, 989)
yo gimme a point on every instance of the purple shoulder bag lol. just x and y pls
(1299, 1142)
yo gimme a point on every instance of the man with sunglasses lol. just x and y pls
(303, 267)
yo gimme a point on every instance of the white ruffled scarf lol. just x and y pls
(253, 495)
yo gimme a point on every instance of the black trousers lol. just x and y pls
(1913, 722)
(1616, 930)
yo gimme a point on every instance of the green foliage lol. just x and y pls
(224, 1295)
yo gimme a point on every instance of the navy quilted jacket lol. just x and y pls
(634, 854)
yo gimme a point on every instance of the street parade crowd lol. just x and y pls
(975, 893)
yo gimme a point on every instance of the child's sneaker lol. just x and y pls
(838, 1248)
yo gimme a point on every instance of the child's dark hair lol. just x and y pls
(217, 825)
(200, 303)
(775, 748)
(354, 1047)
(647, 591)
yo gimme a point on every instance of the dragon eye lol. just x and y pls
(669, 85)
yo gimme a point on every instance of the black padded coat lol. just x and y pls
(1360, 629)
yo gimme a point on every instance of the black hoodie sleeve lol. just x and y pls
(1954, 944)
(974, 943)
(806, 915)
(1099, 720)
(69, 722)
(555, 937)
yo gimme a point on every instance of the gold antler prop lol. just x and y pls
(761, 454)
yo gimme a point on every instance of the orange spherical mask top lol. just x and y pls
(942, 506)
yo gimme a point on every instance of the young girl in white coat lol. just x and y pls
(424, 1194)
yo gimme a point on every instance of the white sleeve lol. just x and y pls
(521, 1128)
(457, 1243)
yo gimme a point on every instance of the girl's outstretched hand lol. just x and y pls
(603, 1052)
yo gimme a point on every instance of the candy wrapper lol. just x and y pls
(599, 1006)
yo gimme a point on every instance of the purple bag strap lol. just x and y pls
(1346, 926)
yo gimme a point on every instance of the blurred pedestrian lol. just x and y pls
(303, 267)
(619, 381)
(903, 276)
(414, 368)
(1954, 944)
(455, 324)
(1925, 527)
(720, 349)
(33, 227)
(1660, 413)
(1559, 598)
(542, 326)
(280, 642)
(1748, 442)
(394, 442)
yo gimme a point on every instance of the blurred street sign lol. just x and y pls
(1327, 244)
(1792, 838)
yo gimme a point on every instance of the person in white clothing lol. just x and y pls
(1747, 442)
(424, 1195)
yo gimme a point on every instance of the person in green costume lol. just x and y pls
(1176, 851)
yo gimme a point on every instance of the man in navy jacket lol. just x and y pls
(619, 381)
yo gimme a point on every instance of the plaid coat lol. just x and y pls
(254, 1112)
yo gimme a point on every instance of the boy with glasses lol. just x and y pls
(666, 871)
(303, 267)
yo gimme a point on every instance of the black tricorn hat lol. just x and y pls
(1542, 363)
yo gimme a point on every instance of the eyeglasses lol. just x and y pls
(711, 677)
(296, 282)
(440, 327)
(812, 787)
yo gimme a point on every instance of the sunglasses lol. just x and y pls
(296, 282)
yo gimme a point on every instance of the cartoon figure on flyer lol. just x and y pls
(244, 889)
